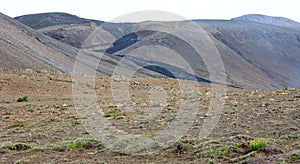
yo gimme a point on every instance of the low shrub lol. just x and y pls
(23, 99)
(258, 143)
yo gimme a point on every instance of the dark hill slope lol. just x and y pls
(255, 55)
(38, 21)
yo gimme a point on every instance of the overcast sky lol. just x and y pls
(190, 9)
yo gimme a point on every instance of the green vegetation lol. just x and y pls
(111, 113)
(289, 136)
(74, 146)
(280, 91)
(211, 161)
(77, 144)
(149, 134)
(214, 151)
(56, 120)
(119, 117)
(17, 146)
(75, 123)
(267, 104)
(23, 99)
(184, 97)
(30, 110)
(22, 161)
(295, 158)
(236, 146)
(33, 156)
(15, 126)
(183, 148)
(28, 48)
(258, 143)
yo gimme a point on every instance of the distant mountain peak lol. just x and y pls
(259, 18)
(49, 14)
(38, 21)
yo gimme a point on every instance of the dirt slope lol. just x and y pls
(23, 47)
(48, 128)
(257, 51)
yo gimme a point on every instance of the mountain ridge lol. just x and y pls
(25, 43)
(255, 55)
(42, 20)
(271, 20)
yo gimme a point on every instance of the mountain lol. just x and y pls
(254, 54)
(278, 21)
(23, 47)
(38, 21)
(272, 53)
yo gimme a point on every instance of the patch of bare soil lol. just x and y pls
(256, 126)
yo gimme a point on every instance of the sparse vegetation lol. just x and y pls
(21, 161)
(30, 110)
(214, 151)
(23, 99)
(17, 146)
(50, 126)
(77, 144)
(119, 117)
(258, 143)
(74, 146)
(211, 161)
(33, 156)
(298, 145)
(75, 123)
(111, 113)
(289, 136)
(295, 158)
(56, 120)
(15, 126)
(85, 133)
(150, 134)
(184, 97)
(280, 91)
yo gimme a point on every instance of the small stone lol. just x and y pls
(291, 89)
(208, 93)
(294, 128)
(241, 151)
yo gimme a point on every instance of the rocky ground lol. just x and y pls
(256, 126)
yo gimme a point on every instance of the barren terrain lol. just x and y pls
(47, 129)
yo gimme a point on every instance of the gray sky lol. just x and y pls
(191, 9)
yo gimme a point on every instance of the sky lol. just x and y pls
(108, 10)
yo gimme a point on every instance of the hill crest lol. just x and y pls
(271, 20)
